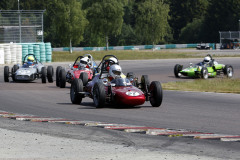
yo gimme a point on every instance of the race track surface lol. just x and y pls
(194, 111)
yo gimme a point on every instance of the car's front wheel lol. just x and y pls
(50, 73)
(99, 95)
(6, 74)
(84, 78)
(76, 87)
(156, 96)
(62, 78)
(44, 74)
(177, 69)
(57, 75)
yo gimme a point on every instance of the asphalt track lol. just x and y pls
(194, 111)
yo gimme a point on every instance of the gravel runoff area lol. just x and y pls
(22, 145)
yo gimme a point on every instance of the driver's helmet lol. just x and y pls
(84, 61)
(115, 71)
(113, 60)
(30, 60)
(207, 60)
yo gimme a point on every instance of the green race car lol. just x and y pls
(208, 68)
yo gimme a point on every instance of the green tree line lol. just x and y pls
(132, 22)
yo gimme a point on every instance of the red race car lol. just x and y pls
(121, 90)
(83, 68)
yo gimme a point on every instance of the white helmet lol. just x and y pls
(84, 61)
(115, 61)
(115, 71)
(206, 59)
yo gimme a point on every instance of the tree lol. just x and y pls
(184, 12)
(65, 22)
(152, 21)
(193, 32)
(105, 18)
(223, 15)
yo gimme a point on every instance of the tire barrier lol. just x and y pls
(13, 53)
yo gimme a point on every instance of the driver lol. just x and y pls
(84, 63)
(115, 71)
(30, 61)
(209, 61)
(111, 62)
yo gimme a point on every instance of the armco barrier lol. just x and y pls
(140, 47)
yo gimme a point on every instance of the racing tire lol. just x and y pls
(62, 78)
(44, 74)
(177, 69)
(50, 73)
(145, 86)
(84, 77)
(228, 71)
(57, 76)
(131, 75)
(76, 87)
(6, 74)
(99, 95)
(204, 73)
(14, 69)
(156, 96)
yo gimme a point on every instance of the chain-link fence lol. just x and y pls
(230, 39)
(21, 26)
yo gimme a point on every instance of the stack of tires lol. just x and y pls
(42, 52)
(48, 52)
(13, 50)
(19, 54)
(7, 54)
(36, 50)
(1, 55)
(24, 50)
(30, 49)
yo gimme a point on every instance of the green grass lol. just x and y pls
(124, 55)
(219, 85)
(65, 56)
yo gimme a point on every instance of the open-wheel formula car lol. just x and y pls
(208, 68)
(30, 70)
(121, 91)
(84, 68)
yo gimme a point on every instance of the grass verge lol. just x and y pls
(218, 85)
(124, 55)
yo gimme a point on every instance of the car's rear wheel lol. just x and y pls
(84, 78)
(6, 74)
(50, 73)
(62, 78)
(99, 95)
(156, 96)
(204, 73)
(177, 69)
(228, 71)
(44, 74)
(58, 76)
(76, 87)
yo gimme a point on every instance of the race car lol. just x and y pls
(208, 68)
(30, 70)
(84, 68)
(122, 91)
